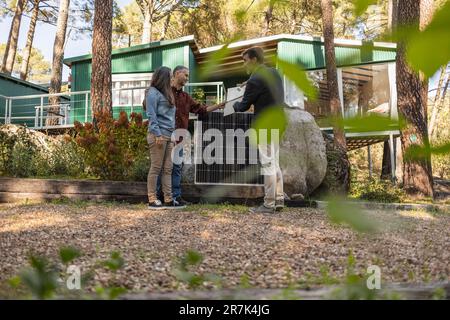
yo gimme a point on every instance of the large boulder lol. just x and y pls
(303, 157)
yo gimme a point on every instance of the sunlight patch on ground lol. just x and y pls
(417, 214)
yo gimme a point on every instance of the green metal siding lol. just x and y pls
(2, 109)
(136, 61)
(311, 54)
(81, 81)
(11, 87)
(193, 67)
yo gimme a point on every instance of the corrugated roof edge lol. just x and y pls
(279, 37)
(189, 39)
(26, 83)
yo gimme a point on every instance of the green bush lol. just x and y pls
(18, 154)
(376, 190)
(22, 156)
(67, 159)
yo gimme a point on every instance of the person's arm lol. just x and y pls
(151, 104)
(249, 98)
(201, 109)
(215, 107)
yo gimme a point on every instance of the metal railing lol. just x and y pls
(35, 110)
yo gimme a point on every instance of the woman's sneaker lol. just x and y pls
(174, 204)
(157, 204)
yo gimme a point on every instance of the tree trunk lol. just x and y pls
(386, 166)
(30, 37)
(148, 23)
(57, 64)
(166, 26)
(101, 100)
(417, 174)
(436, 102)
(11, 46)
(268, 18)
(332, 82)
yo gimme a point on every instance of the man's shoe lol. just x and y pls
(173, 205)
(155, 205)
(279, 205)
(182, 202)
(262, 209)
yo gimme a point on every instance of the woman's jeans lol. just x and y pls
(160, 163)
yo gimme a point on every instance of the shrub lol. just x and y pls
(118, 149)
(25, 155)
(376, 190)
(67, 159)
(18, 154)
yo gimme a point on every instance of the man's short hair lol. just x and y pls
(179, 68)
(255, 52)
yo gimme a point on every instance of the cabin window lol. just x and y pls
(129, 89)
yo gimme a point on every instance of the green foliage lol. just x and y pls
(40, 277)
(39, 69)
(118, 150)
(44, 279)
(439, 294)
(215, 57)
(110, 293)
(416, 152)
(429, 49)
(115, 262)
(355, 285)
(325, 278)
(298, 76)
(368, 123)
(376, 190)
(362, 5)
(21, 156)
(270, 120)
(66, 159)
(340, 211)
(198, 94)
(67, 254)
(190, 260)
(17, 154)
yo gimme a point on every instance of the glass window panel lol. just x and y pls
(293, 96)
(319, 108)
(127, 81)
(366, 90)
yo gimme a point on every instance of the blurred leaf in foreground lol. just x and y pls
(429, 49)
(344, 212)
(67, 254)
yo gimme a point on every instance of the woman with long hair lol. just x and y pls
(160, 109)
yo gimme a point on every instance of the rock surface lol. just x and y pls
(303, 158)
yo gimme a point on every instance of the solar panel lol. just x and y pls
(234, 160)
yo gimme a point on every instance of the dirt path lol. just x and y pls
(299, 247)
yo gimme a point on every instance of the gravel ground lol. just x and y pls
(262, 251)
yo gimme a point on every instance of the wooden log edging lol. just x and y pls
(417, 291)
(394, 206)
(23, 189)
